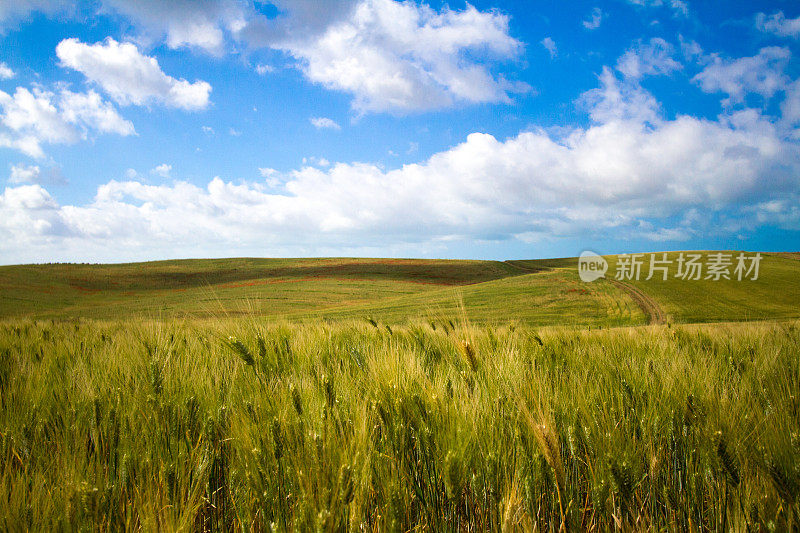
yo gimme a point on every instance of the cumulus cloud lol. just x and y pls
(90, 110)
(22, 173)
(761, 74)
(402, 57)
(185, 23)
(550, 45)
(32, 118)
(5, 72)
(623, 175)
(130, 77)
(162, 170)
(648, 59)
(615, 100)
(778, 24)
(390, 55)
(325, 123)
(595, 19)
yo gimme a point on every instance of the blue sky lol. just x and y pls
(146, 129)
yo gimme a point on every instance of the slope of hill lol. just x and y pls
(226, 286)
(774, 295)
(546, 291)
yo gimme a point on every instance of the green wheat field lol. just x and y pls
(396, 395)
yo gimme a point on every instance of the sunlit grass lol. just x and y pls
(250, 424)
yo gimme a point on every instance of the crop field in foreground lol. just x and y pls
(396, 395)
(253, 424)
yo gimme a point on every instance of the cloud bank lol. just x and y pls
(627, 173)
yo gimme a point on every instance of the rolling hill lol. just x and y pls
(544, 292)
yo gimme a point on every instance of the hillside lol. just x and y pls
(543, 292)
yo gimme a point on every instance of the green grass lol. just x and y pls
(544, 298)
(775, 295)
(395, 395)
(537, 292)
(225, 286)
(306, 289)
(248, 424)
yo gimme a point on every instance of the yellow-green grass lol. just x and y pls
(271, 287)
(251, 425)
(543, 298)
(774, 295)
(393, 291)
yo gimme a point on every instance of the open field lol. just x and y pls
(538, 292)
(252, 425)
(396, 395)
(776, 293)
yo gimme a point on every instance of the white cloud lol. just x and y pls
(15, 10)
(197, 24)
(595, 19)
(651, 59)
(790, 107)
(550, 45)
(267, 172)
(403, 57)
(264, 69)
(623, 176)
(390, 55)
(22, 173)
(325, 123)
(620, 101)
(36, 114)
(31, 118)
(208, 130)
(761, 74)
(5, 72)
(216, 26)
(130, 77)
(234, 132)
(316, 161)
(690, 49)
(162, 170)
(679, 7)
(90, 109)
(778, 24)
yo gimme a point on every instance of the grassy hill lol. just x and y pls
(209, 287)
(540, 292)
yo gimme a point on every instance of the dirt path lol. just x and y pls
(651, 309)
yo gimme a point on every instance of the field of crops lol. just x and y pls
(396, 395)
(253, 424)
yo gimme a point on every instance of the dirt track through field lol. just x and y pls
(651, 309)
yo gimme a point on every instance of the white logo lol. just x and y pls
(591, 266)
